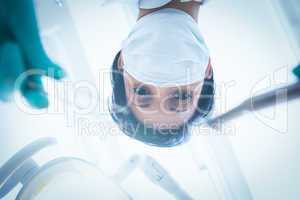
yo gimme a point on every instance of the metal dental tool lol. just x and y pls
(286, 93)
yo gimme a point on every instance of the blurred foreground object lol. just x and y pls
(23, 60)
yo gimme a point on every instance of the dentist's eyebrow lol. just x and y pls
(142, 90)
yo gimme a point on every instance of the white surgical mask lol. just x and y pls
(166, 49)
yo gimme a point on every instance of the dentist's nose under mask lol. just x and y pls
(166, 49)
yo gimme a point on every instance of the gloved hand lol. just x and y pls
(297, 71)
(21, 51)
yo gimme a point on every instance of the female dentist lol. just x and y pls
(162, 78)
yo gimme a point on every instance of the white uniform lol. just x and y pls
(131, 7)
(146, 4)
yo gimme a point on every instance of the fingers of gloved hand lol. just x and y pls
(296, 71)
(34, 93)
(11, 66)
(23, 25)
(49, 68)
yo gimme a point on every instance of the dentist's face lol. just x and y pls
(161, 107)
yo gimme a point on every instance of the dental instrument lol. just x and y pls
(286, 93)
